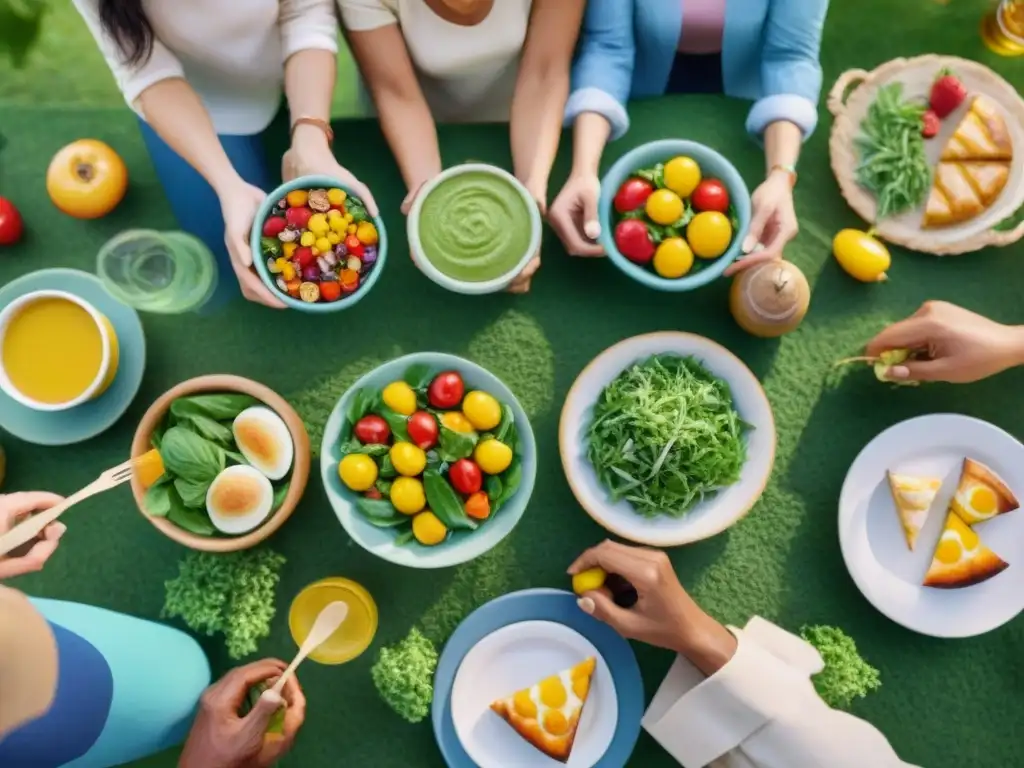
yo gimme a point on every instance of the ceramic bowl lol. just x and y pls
(314, 182)
(300, 464)
(712, 166)
(460, 546)
(462, 286)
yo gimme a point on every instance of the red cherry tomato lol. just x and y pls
(478, 506)
(710, 195)
(372, 429)
(373, 493)
(423, 430)
(273, 226)
(354, 246)
(632, 195)
(446, 390)
(465, 476)
(303, 255)
(10, 223)
(634, 241)
(298, 218)
(330, 290)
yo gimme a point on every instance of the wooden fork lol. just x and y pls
(31, 528)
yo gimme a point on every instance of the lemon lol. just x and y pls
(709, 234)
(408, 496)
(673, 258)
(664, 207)
(588, 580)
(682, 175)
(861, 255)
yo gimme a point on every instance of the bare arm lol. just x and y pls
(590, 134)
(782, 143)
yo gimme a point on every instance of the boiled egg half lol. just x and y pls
(264, 440)
(239, 499)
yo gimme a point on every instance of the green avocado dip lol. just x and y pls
(474, 227)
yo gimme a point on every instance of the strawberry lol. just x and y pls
(930, 124)
(947, 94)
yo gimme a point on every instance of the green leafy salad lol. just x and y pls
(665, 435)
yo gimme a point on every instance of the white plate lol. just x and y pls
(714, 514)
(513, 658)
(875, 548)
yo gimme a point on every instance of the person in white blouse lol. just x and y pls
(734, 698)
(206, 79)
(467, 61)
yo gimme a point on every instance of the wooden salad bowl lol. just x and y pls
(300, 465)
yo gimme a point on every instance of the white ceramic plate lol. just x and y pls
(875, 549)
(513, 658)
(714, 514)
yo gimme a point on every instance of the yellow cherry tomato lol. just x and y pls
(297, 198)
(288, 249)
(323, 244)
(673, 258)
(333, 237)
(408, 459)
(456, 422)
(366, 232)
(482, 410)
(709, 234)
(492, 456)
(428, 529)
(307, 239)
(588, 580)
(339, 225)
(351, 229)
(407, 495)
(682, 175)
(318, 225)
(334, 213)
(664, 207)
(336, 196)
(861, 255)
(399, 397)
(358, 472)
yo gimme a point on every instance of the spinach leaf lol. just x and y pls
(507, 424)
(374, 450)
(380, 512)
(386, 469)
(158, 434)
(362, 403)
(384, 486)
(418, 376)
(456, 445)
(209, 429)
(493, 487)
(445, 503)
(192, 494)
(511, 479)
(397, 422)
(235, 456)
(405, 537)
(157, 501)
(433, 460)
(279, 495)
(191, 520)
(223, 407)
(187, 455)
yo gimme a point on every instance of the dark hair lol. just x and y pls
(126, 24)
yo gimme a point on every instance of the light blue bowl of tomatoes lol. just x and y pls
(673, 214)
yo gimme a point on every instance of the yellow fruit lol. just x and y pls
(318, 225)
(339, 225)
(493, 456)
(673, 258)
(334, 213)
(297, 198)
(351, 229)
(456, 422)
(407, 495)
(682, 175)
(336, 196)
(349, 218)
(358, 472)
(664, 207)
(288, 249)
(366, 233)
(148, 467)
(399, 397)
(308, 239)
(323, 244)
(709, 234)
(333, 237)
(482, 410)
(588, 580)
(427, 529)
(408, 459)
(861, 255)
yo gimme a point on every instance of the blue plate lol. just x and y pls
(540, 605)
(89, 419)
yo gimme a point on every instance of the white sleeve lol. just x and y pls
(761, 710)
(308, 24)
(366, 15)
(131, 79)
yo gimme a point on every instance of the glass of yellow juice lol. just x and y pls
(56, 351)
(1002, 30)
(356, 632)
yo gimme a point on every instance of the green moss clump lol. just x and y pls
(846, 676)
(404, 675)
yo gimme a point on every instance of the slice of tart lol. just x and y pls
(981, 135)
(914, 496)
(981, 494)
(960, 559)
(962, 191)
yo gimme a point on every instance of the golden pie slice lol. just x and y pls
(981, 494)
(914, 496)
(548, 714)
(981, 135)
(960, 558)
(962, 191)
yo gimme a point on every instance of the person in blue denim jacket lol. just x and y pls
(764, 51)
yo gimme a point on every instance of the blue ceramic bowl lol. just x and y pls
(461, 546)
(313, 182)
(712, 166)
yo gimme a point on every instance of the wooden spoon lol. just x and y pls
(330, 618)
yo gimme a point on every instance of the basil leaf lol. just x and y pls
(279, 495)
(191, 520)
(209, 429)
(380, 512)
(157, 501)
(418, 376)
(397, 422)
(445, 503)
(222, 407)
(187, 455)
(456, 445)
(507, 423)
(192, 494)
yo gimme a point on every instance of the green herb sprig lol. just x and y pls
(404, 675)
(846, 675)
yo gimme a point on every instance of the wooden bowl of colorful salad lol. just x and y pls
(221, 463)
(316, 246)
(429, 460)
(673, 214)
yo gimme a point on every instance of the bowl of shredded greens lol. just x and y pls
(667, 438)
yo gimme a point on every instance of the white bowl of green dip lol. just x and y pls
(473, 228)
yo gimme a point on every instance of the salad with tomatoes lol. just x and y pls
(670, 218)
(428, 458)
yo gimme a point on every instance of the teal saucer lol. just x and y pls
(89, 419)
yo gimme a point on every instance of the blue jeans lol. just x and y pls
(195, 204)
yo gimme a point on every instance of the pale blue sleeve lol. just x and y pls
(602, 75)
(790, 69)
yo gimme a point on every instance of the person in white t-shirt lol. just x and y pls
(206, 79)
(467, 61)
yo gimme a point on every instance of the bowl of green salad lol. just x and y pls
(667, 438)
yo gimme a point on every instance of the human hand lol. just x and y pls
(13, 507)
(239, 204)
(664, 615)
(773, 223)
(220, 738)
(574, 217)
(959, 345)
(311, 155)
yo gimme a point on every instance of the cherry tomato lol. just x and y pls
(710, 195)
(10, 223)
(330, 290)
(373, 493)
(478, 506)
(354, 246)
(372, 429)
(446, 390)
(273, 226)
(632, 195)
(465, 476)
(423, 430)
(634, 241)
(304, 254)
(298, 218)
